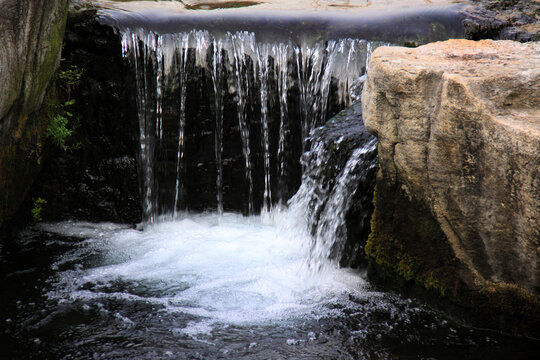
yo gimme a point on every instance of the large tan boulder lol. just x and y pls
(458, 190)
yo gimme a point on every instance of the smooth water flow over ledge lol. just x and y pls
(387, 21)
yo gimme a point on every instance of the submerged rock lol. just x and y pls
(458, 189)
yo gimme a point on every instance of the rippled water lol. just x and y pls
(206, 287)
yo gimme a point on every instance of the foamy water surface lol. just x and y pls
(208, 287)
(223, 270)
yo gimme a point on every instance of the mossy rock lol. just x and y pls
(408, 252)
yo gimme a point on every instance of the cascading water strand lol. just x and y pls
(263, 79)
(282, 71)
(182, 79)
(217, 81)
(262, 61)
(243, 44)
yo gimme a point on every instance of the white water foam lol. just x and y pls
(221, 270)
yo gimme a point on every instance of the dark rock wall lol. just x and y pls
(96, 178)
(31, 33)
(502, 19)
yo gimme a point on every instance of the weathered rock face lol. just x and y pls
(458, 190)
(502, 19)
(31, 32)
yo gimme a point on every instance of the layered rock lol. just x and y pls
(31, 32)
(458, 189)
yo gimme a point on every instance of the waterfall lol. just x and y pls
(217, 80)
(182, 79)
(264, 99)
(241, 43)
(281, 70)
(339, 172)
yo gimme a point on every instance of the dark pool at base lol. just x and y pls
(34, 327)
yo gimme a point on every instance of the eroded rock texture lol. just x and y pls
(458, 190)
(502, 19)
(31, 33)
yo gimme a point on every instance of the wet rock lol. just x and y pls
(458, 191)
(505, 20)
(96, 178)
(31, 33)
(338, 182)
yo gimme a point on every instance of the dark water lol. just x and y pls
(104, 291)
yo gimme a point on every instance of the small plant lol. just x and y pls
(39, 204)
(57, 129)
(62, 122)
(70, 77)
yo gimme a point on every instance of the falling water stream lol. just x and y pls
(258, 76)
(216, 284)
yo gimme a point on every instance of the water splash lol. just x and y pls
(340, 162)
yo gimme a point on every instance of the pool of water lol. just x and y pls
(208, 287)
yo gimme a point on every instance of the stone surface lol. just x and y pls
(505, 20)
(337, 186)
(96, 179)
(251, 6)
(458, 190)
(31, 32)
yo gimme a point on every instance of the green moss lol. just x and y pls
(48, 59)
(374, 249)
(406, 267)
(510, 299)
(392, 258)
(37, 209)
(431, 282)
